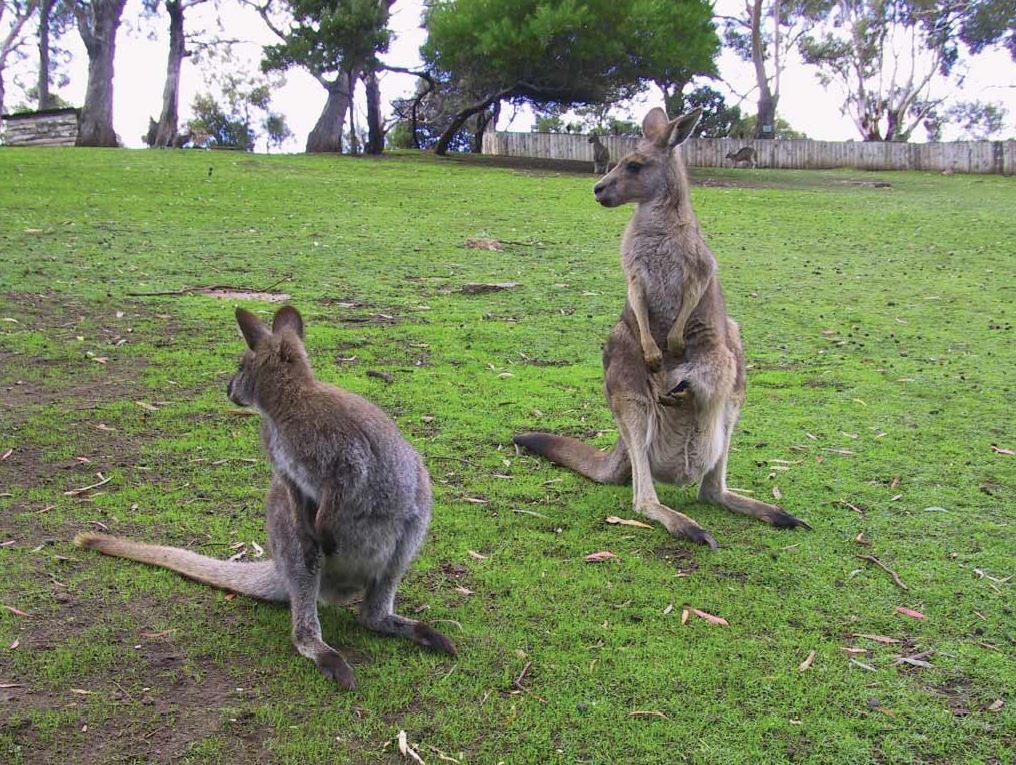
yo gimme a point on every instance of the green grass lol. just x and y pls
(876, 321)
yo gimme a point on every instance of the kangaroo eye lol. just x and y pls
(634, 167)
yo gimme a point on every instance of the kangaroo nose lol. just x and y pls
(598, 188)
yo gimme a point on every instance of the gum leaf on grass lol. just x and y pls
(599, 557)
(1000, 450)
(13, 610)
(909, 612)
(613, 519)
(710, 618)
(807, 661)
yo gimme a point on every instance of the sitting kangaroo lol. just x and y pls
(601, 157)
(347, 509)
(675, 410)
(744, 154)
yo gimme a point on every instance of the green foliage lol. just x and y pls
(877, 325)
(978, 120)
(745, 128)
(331, 36)
(718, 119)
(887, 56)
(559, 51)
(276, 129)
(212, 126)
(989, 23)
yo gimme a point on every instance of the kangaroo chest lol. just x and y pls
(281, 455)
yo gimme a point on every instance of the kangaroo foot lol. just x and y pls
(678, 524)
(334, 667)
(771, 514)
(428, 637)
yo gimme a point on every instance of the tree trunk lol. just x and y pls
(326, 137)
(3, 92)
(765, 121)
(375, 130)
(354, 144)
(168, 126)
(98, 31)
(484, 120)
(45, 100)
(441, 148)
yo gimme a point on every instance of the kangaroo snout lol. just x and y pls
(602, 192)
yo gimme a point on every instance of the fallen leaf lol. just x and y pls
(105, 428)
(13, 610)
(154, 635)
(13, 646)
(685, 613)
(598, 557)
(647, 713)
(259, 551)
(777, 494)
(406, 750)
(613, 519)
(11, 685)
(862, 665)
(996, 705)
(83, 489)
(807, 661)
(229, 595)
(909, 612)
(463, 590)
(877, 638)
(9, 543)
(476, 500)
(710, 618)
(83, 692)
(6, 454)
(668, 609)
(999, 450)
(474, 289)
(147, 407)
(483, 243)
(913, 662)
(851, 649)
(476, 555)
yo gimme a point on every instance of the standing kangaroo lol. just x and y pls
(347, 509)
(601, 157)
(744, 154)
(675, 409)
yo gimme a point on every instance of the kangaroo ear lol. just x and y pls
(682, 127)
(654, 124)
(251, 327)
(288, 317)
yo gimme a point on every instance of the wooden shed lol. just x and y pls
(52, 127)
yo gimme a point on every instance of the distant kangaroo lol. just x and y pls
(675, 410)
(348, 506)
(744, 154)
(601, 157)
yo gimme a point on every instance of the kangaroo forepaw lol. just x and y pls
(335, 668)
(428, 637)
(654, 359)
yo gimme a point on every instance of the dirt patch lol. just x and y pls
(234, 294)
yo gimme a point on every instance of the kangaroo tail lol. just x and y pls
(602, 467)
(259, 580)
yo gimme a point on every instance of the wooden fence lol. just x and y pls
(998, 157)
(54, 127)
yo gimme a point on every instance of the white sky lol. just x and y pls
(141, 63)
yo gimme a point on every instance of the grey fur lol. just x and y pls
(347, 509)
(675, 408)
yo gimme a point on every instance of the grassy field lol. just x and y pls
(878, 326)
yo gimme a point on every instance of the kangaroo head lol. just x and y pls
(653, 170)
(274, 356)
(731, 154)
(594, 139)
